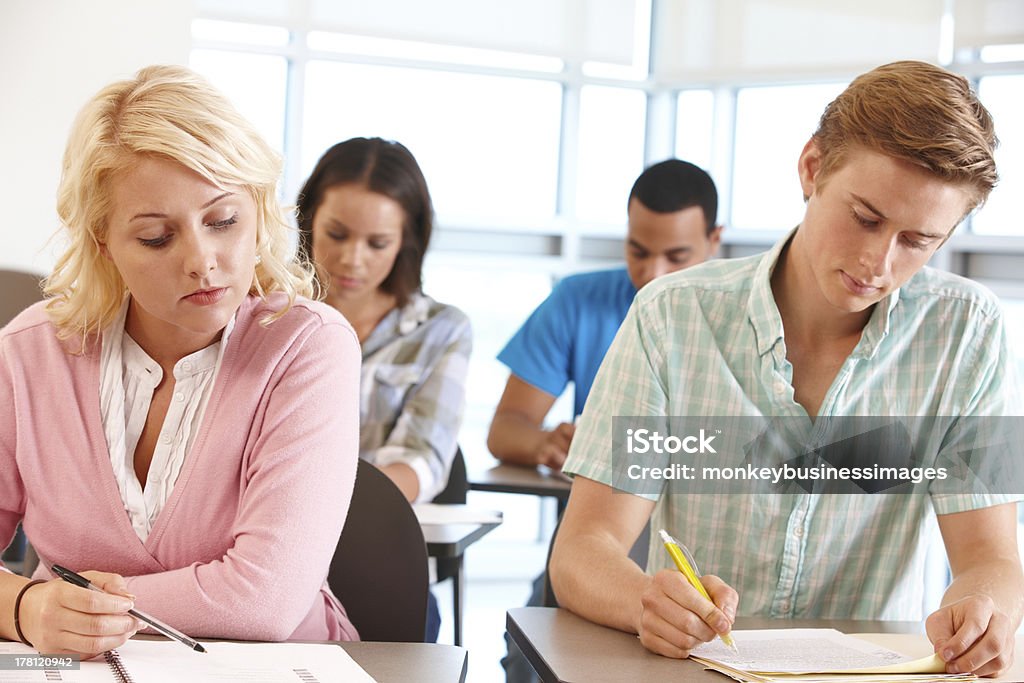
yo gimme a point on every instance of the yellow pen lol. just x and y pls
(685, 564)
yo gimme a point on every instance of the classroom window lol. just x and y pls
(695, 118)
(1002, 53)
(1004, 98)
(430, 52)
(772, 126)
(240, 33)
(256, 84)
(611, 151)
(488, 145)
(487, 126)
(606, 27)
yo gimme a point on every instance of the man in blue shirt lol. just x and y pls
(671, 216)
(671, 213)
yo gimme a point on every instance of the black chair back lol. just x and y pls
(454, 493)
(379, 570)
(457, 487)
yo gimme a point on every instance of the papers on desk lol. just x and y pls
(434, 513)
(817, 656)
(166, 661)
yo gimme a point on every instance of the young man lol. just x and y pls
(840, 318)
(671, 215)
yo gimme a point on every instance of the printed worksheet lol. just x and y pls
(816, 655)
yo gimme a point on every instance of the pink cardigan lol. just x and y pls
(242, 548)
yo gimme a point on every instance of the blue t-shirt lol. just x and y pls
(565, 339)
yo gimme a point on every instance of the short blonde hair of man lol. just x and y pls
(918, 112)
(173, 113)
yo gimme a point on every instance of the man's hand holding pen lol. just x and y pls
(675, 617)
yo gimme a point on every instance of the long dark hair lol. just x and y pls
(388, 168)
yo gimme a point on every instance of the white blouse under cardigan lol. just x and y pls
(128, 378)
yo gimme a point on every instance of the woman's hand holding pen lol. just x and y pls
(972, 635)
(59, 618)
(675, 618)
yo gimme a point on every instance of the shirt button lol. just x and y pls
(799, 532)
(186, 366)
(179, 396)
(784, 606)
(166, 438)
(780, 387)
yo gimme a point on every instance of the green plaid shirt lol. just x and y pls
(708, 341)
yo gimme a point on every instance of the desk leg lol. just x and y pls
(457, 601)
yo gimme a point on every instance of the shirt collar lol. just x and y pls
(414, 313)
(399, 322)
(761, 308)
(137, 361)
(767, 321)
(878, 327)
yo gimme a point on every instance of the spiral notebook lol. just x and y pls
(165, 661)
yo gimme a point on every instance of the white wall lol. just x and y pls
(55, 55)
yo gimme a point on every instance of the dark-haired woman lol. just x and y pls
(365, 218)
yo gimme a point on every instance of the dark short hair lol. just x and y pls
(673, 185)
(388, 168)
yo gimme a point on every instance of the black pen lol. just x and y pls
(79, 580)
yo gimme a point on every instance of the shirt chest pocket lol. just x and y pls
(389, 387)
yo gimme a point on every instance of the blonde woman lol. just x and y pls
(177, 421)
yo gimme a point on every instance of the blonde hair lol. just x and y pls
(169, 112)
(918, 112)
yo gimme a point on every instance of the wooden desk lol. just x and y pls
(451, 541)
(505, 478)
(564, 648)
(402, 662)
